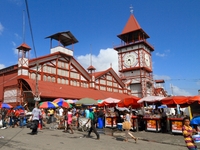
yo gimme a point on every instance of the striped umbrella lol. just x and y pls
(58, 100)
(63, 104)
(69, 101)
(48, 104)
(4, 105)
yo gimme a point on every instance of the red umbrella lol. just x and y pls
(130, 101)
(172, 101)
(194, 99)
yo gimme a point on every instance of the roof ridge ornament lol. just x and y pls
(131, 9)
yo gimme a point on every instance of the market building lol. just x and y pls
(58, 74)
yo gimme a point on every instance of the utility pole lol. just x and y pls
(171, 89)
(37, 96)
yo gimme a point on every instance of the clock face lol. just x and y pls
(130, 59)
(147, 60)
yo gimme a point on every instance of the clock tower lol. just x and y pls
(134, 59)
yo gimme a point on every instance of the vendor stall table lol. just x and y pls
(175, 125)
(152, 124)
(110, 122)
(135, 122)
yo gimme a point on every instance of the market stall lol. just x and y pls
(152, 123)
(176, 120)
(110, 119)
(110, 115)
(175, 125)
(151, 118)
(135, 122)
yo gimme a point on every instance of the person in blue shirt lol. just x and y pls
(87, 112)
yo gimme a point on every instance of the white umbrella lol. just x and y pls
(111, 100)
(150, 99)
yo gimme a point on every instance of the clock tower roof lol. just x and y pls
(131, 25)
(132, 31)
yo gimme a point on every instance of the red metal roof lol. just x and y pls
(54, 90)
(160, 81)
(131, 25)
(24, 46)
(160, 91)
(91, 68)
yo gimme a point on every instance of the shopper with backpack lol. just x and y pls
(92, 118)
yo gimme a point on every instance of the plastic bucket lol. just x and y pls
(119, 126)
(100, 123)
(196, 138)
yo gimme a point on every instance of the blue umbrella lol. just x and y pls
(19, 107)
(4, 105)
(162, 106)
(195, 121)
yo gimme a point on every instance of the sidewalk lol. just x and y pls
(163, 138)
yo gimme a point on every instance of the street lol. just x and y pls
(20, 139)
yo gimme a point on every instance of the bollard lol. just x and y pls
(39, 125)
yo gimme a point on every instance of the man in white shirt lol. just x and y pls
(60, 111)
(36, 114)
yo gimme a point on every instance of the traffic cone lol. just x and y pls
(39, 125)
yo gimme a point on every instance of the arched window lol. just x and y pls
(44, 78)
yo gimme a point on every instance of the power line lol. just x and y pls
(30, 28)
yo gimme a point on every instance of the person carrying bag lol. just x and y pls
(126, 125)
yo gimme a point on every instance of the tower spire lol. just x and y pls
(131, 9)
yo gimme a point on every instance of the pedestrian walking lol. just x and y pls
(187, 134)
(92, 118)
(127, 119)
(36, 113)
(69, 120)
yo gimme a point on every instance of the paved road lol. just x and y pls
(19, 139)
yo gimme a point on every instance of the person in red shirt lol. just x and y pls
(16, 118)
(10, 115)
(21, 117)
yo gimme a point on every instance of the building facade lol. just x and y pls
(58, 74)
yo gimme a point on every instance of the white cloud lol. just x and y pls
(161, 77)
(198, 82)
(17, 2)
(102, 61)
(17, 36)
(177, 91)
(167, 51)
(1, 28)
(163, 54)
(160, 55)
(2, 66)
(14, 48)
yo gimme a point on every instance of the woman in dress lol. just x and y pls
(69, 120)
(127, 117)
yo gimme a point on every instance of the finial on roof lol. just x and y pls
(91, 54)
(110, 65)
(131, 9)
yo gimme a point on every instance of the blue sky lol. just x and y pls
(173, 27)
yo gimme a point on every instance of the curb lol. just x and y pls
(155, 141)
(168, 143)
